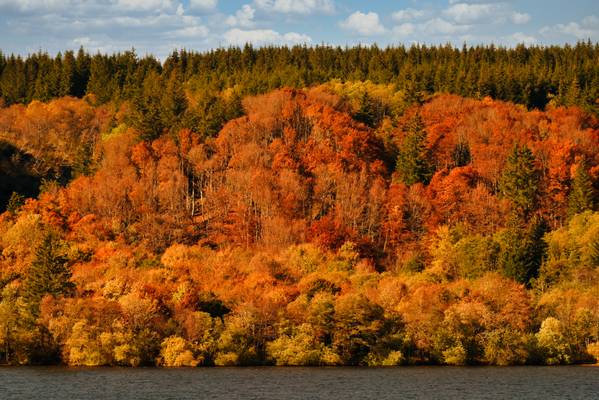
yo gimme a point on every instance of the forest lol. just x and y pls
(301, 206)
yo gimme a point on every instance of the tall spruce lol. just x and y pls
(413, 162)
(582, 193)
(520, 181)
(49, 272)
(523, 249)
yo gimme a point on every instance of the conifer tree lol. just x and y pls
(67, 78)
(523, 250)
(461, 154)
(173, 102)
(49, 272)
(582, 193)
(371, 111)
(520, 181)
(413, 161)
(148, 116)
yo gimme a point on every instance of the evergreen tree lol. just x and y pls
(413, 161)
(147, 116)
(371, 111)
(582, 193)
(49, 272)
(174, 102)
(461, 154)
(67, 78)
(81, 76)
(520, 181)
(523, 250)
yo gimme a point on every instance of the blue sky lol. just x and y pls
(159, 26)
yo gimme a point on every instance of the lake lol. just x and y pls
(576, 382)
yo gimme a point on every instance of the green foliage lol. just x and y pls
(371, 111)
(522, 250)
(520, 181)
(455, 254)
(574, 246)
(22, 341)
(413, 161)
(148, 108)
(582, 195)
(49, 272)
(523, 75)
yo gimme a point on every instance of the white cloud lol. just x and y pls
(203, 5)
(439, 26)
(244, 17)
(33, 5)
(146, 5)
(363, 24)
(520, 18)
(588, 28)
(519, 38)
(297, 6)
(198, 31)
(405, 29)
(488, 12)
(408, 14)
(464, 13)
(238, 37)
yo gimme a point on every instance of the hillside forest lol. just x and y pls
(301, 206)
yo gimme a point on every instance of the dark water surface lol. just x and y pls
(300, 383)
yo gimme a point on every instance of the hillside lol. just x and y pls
(347, 223)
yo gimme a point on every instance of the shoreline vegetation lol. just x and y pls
(301, 206)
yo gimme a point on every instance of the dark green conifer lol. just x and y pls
(49, 272)
(461, 154)
(413, 161)
(523, 249)
(582, 193)
(520, 181)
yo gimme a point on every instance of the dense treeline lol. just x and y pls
(351, 223)
(533, 76)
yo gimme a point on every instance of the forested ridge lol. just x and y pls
(301, 206)
(533, 76)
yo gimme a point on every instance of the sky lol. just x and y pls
(159, 26)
